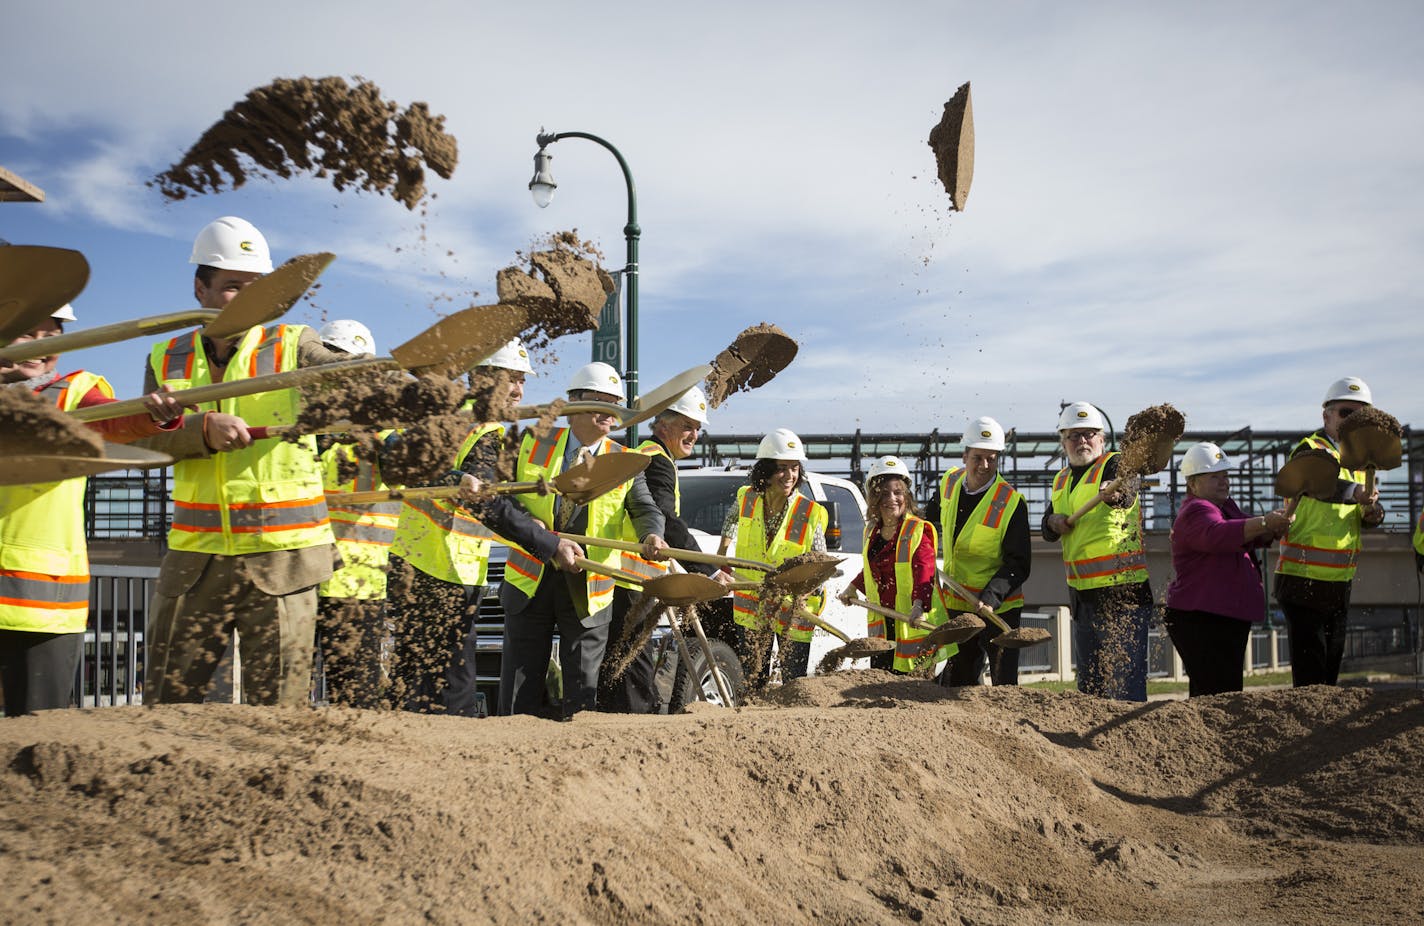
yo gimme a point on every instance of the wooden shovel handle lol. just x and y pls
(691, 556)
(612, 572)
(106, 334)
(1369, 479)
(980, 608)
(1292, 505)
(867, 604)
(216, 392)
(816, 621)
(1096, 500)
(527, 412)
(375, 496)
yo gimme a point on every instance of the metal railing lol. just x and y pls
(111, 662)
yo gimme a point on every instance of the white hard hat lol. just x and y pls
(985, 434)
(230, 243)
(64, 313)
(781, 444)
(598, 377)
(1081, 415)
(511, 356)
(887, 466)
(693, 404)
(1205, 457)
(348, 335)
(1349, 389)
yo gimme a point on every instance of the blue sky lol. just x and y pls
(1212, 204)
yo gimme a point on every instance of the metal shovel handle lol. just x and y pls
(690, 556)
(980, 608)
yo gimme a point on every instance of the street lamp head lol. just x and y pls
(542, 186)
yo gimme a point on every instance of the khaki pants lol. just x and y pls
(188, 632)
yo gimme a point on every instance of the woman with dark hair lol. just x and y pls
(772, 522)
(900, 549)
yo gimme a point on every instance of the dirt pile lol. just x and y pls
(855, 798)
(30, 425)
(952, 141)
(338, 130)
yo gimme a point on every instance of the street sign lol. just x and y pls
(608, 339)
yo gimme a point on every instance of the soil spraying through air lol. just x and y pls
(853, 798)
(30, 425)
(325, 126)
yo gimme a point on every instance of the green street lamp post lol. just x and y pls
(542, 187)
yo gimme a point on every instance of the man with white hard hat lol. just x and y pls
(674, 435)
(446, 547)
(544, 592)
(44, 575)
(250, 539)
(1316, 567)
(1104, 556)
(987, 548)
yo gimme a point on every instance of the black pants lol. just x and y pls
(754, 649)
(349, 632)
(1317, 642)
(635, 691)
(528, 639)
(37, 670)
(434, 664)
(965, 666)
(1212, 647)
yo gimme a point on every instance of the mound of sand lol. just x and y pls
(854, 798)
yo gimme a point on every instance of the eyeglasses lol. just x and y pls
(1083, 435)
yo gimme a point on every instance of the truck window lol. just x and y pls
(707, 499)
(852, 522)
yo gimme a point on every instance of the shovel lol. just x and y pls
(27, 469)
(1147, 444)
(580, 484)
(1370, 440)
(444, 345)
(757, 355)
(646, 407)
(942, 635)
(1009, 637)
(686, 556)
(34, 281)
(1310, 473)
(263, 300)
(859, 648)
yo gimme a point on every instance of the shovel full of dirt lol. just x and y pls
(263, 300)
(1308, 474)
(850, 648)
(938, 635)
(34, 281)
(1147, 444)
(751, 360)
(579, 484)
(1009, 637)
(40, 444)
(454, 342)
(1370, 440)
(646, 406)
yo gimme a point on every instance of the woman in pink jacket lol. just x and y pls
(1217, 593)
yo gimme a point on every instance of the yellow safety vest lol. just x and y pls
(802, 520)
(1419, 535)
(44, 561)
(1105, 548)
(544, 457)
(978, 552)
(909, 652)
(632, 562)
(1323, 542)
(441, 539)
(264, 497)
(363, 532)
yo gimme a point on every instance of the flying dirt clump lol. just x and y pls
(30, 425)
(953, 143)
(561, 285)
(757, 355)
(1149, 438)
(326, 126)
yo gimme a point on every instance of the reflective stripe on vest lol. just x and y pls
(440, 537)
(795, 537)
(974, 557)
(262, 517)
(1323, 542)
(907, 541)
(44, 561)
(1105, 547)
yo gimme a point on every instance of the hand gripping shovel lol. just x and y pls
(1370, 440)
(263, 300)
(447, 344)
(943, 635)
(1147, 444)
(1308, 474)
(34, 281)
(580, 484)
(1009, 637)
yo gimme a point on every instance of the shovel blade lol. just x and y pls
(34, 281)
(684, 589)
(757, 355)
(460, 341)
(268, 298)
(600, 474)
(1021, 637)
(804, 578)
(1312, 473)
(862, 648)
(30, 469)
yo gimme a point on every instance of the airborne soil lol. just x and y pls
(851, 798)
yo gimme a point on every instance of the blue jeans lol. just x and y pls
(1110, 632)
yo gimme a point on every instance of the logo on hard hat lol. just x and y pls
(360, 340)
(246, 246)
(1354, 387)
(702, 406)
(986, 433)
(791, 443)
(1082, 413)
(889, 463)
(1218, 455)
(613, 379)
(522, 353)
